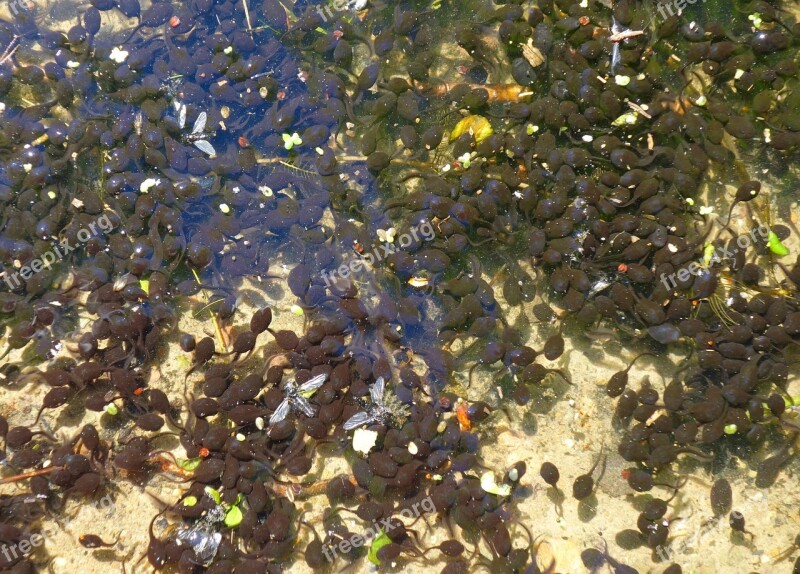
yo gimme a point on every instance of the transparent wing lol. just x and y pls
(206, 546)
(616, 57)
(303, 405)
(358, 419)
(182, 116)
(200, 123)
(376, 391)
(205, 147)
(313, 383)
(281, 412)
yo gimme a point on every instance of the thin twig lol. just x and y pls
(297, 490)
(7, 56)
(348, 159)
(214, 319)
(247, 18)
(31, 474)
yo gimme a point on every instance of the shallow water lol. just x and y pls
(432, 193)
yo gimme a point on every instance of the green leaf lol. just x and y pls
(233, 517)
(708, 253)
(380, 541)
(214, 494)
(775, 245)
(190, 463)
(189, 501)
(628, 118)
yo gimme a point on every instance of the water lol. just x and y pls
(462, 198)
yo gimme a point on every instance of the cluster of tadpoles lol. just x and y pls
(581, 193)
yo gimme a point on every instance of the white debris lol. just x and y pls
(118, 55)
(364, 440)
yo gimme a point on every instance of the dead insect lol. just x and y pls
(382, 410)
(202, 537)
(619, 34)
(198, 136)
(296, 397)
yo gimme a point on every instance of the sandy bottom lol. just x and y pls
(567, 425)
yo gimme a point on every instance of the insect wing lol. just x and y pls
(312, 384)
(281, 412)
(182, 115)
(376, 391)
(358, 419)
(303, 405)
(616, 57)
(205, 147)
(204, 544)
(199, 123)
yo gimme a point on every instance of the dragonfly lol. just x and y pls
(296, 398)
(198, 136)
(378, 411)
(202, 537)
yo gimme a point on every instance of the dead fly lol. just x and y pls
(384, 409)
(202, 537)
(296, 398)
(619, 34)
(199, 136)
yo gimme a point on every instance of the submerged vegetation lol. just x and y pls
(435, 183)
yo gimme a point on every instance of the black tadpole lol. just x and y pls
(585, 483)
(619, 380)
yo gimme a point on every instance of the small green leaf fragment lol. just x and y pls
(380, 541)
(628, 118)
(233, 517)
(708, 253)
(214, 494)
(775, 245)
(190, 463)
(189, 501)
